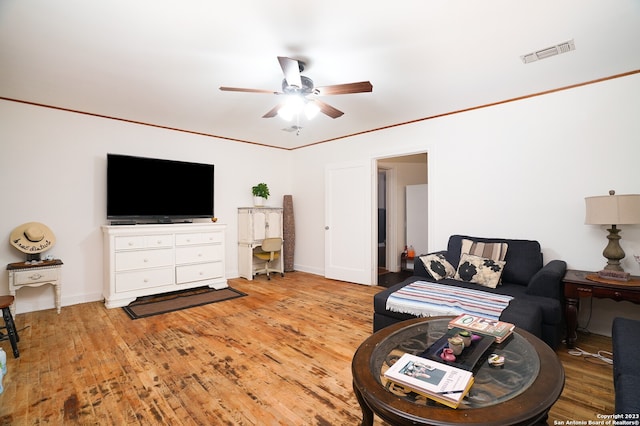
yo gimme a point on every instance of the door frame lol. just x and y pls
(392, 212)
(391, 261)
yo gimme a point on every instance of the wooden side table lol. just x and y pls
(579, 284)
(23, 274)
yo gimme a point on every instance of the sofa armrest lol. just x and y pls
(419, 270)
(547, 282)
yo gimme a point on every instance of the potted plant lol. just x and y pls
(260, 194)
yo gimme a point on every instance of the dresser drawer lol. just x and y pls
(136, 280)
(35, 276)
(143, 259)
(197, 254)
(143, 241)
(199, 238)
(201, 271)
(617, 294)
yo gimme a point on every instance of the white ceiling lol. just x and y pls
(161, 62)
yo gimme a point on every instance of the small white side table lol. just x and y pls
(23, 274)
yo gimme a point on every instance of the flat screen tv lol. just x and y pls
(150, 190)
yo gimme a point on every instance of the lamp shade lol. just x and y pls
(613, 210)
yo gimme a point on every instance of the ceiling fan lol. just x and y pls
(302, 93)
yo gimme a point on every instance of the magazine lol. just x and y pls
(498, 329)
(443, 383)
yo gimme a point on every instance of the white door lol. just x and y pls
(348, 222)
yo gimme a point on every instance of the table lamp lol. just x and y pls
(613, 210)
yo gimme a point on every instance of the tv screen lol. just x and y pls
(154, 190)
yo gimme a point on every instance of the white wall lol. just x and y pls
(53, 170)
(517, 170)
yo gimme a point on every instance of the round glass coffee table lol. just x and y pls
(519, 393)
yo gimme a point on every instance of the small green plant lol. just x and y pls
(260, 190)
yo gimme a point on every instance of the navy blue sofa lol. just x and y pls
(536, 288)
(625, 335)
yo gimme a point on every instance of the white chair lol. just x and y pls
(269, 252)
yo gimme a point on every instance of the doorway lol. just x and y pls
(395, 174)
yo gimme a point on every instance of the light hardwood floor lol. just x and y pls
(280, 356)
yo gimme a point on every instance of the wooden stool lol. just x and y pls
(12, 333)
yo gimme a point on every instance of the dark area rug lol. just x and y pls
(148, 306)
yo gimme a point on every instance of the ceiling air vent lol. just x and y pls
(565, 47)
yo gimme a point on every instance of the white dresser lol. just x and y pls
(254, 225)
(141, 260)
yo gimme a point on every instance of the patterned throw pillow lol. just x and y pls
(438, 266)
(495, 251)
(480, 270)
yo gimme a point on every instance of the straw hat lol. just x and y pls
(32, 237)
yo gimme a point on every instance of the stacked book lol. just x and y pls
(442, 383)
(499, 329)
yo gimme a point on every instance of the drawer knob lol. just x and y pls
(145, 280)
(145, 260)
(35, 276)
(130, 243)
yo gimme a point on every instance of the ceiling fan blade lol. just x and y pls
(342, 89)
(240, 89)
(273, 111)
(328, 109)
(291, 69)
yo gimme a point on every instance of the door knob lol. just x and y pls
(326, 228)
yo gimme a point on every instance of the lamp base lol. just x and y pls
(613, 252)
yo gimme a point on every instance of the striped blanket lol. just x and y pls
(424, 299)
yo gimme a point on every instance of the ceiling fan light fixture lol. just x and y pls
(285, 113)
(293, 105)
(296, 88)
(311, 109)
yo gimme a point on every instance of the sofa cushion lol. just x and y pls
(479, 270)
(527, 316)
(380, 299)
(436, 264)
(626, 399)
(625, 339)
(524, 257)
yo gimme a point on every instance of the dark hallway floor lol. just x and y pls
(387, 279)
